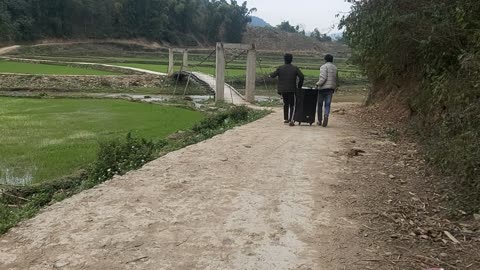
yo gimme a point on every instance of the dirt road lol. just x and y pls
(261, 196)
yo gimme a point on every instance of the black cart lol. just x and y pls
(305, 105)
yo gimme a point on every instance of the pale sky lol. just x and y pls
(310, 13)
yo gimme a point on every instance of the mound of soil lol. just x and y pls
(273, 39)
(76, 83)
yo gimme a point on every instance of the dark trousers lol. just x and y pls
(324, 99)
(288, 106)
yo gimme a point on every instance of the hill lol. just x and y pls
(269, 38)
(258, 22)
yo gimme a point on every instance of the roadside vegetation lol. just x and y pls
(425, 56)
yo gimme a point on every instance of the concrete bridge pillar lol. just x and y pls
(170, 62)
(251, 70)
(185, 60)
(251, 75)
(220, 73)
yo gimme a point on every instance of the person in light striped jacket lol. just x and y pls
(327, 85)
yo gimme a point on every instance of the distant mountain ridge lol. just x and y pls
(258, 22)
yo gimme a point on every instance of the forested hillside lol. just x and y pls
(426, 54)
(173, 21)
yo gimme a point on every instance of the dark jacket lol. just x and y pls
(287, 78)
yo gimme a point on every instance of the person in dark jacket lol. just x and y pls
(287, 84)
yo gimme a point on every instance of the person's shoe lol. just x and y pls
(319, 123)
(325, 122)
(286, 122)
(291, 123)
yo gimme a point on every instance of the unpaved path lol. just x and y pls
(146, 71)
(9, 49)
(261, 196)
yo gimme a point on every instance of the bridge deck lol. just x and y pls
(231, 95)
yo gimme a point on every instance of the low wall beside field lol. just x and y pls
(12, 82)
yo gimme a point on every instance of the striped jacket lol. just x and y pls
(328, 77)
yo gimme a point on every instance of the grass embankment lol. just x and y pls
(114, 157)
(44, 69)
(44, 139)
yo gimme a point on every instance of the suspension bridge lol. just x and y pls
(223, 91)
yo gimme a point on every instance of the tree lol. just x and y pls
(175, 21)
(5, 23)
(236, 21)
(287, 27)
(319, 36)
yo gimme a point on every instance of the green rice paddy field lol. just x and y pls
(44, 139)
(199, 60)
(44, 69)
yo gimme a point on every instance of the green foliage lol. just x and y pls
(433, 46)
(186, 21)
(319, 36)
(287, 27)
(116, 157)
(232, 115)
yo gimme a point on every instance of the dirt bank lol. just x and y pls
(77, 83)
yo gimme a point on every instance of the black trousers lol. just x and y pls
(288, 106)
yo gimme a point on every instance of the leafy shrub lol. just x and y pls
(116, 157)
(233, 115)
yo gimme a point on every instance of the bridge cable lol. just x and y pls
(259, 62)
(228, 76)
(234, 58)
(195, 67)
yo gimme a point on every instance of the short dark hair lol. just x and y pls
(288, 57)
(329, 58)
